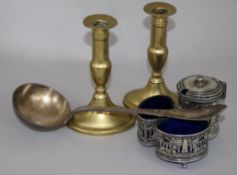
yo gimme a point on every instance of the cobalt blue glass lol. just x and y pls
(147, 123)
(182, 127)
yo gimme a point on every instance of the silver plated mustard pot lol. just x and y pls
(200, 91)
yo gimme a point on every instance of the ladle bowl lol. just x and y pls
(41, 106)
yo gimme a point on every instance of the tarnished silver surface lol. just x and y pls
(198, 91)
(40, 106)
(199, 114)
(146, 130)
(182, 149)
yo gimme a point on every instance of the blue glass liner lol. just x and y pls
(156, 102)
(182, 127)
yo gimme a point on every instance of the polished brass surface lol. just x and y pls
(186, 114)
(41, 106)
(157, 55)
(94, 122)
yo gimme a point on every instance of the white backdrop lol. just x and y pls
(44, 41)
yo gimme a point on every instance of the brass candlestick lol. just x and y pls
(95, 122)
(157, 54)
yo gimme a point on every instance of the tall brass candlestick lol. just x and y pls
(157, 55)
(95, 122)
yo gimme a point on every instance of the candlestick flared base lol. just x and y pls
(133, 98)
(101, 123)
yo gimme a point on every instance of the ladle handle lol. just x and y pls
(187, 114)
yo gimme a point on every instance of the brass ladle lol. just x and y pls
(44, 107)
